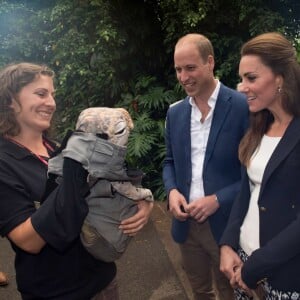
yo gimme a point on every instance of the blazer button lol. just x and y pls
(262, 208)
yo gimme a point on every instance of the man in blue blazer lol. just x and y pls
(201, 170)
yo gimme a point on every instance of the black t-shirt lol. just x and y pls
(70, 274)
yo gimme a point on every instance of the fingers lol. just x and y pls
(178, 205)
(240, 283)
(202, 208)
(233, 282)
(199, 216)
(180, 215)
(228, 271)
(134, 224)
(231, 265)
(132, 229)
(229, 262)
(3, 279)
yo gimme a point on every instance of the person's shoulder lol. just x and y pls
(176, 103)
(11, 154)
(237, 98)
(5, 147)
(6, 156)
(230, 90)
(179, 104)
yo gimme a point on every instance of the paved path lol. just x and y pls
(149, 270)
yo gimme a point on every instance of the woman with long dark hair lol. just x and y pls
(260, 248)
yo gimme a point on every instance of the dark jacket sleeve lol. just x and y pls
(168, 165)
(269, 258)
(239, 209)
(277, 252)
(59, 219)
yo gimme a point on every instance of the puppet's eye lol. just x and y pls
(120, 127)
(120, 131)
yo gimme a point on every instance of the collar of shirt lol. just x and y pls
(18, 152)
(212, 99)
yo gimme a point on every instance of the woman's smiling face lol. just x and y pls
(259, 84)
(35, 104)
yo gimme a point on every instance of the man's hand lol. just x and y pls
(202, 208)
(177, 205)
(134, 224)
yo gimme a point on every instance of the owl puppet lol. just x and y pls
(99, 143)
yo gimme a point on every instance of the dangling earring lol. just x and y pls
(279, 89)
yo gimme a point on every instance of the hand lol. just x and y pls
(202, 208)
(134, 224)
(229, 263)
(177, 205)
(241, 284)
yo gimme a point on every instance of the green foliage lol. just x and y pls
(84, 47)
(147, 103)
(20, 39)
(120, 53)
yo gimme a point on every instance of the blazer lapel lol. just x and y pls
(285, 146)
(221, 110)
(184, 120)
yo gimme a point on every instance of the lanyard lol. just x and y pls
(39, 157)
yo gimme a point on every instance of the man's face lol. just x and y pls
(194, 74)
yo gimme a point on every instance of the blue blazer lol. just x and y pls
(221, 170)
(278, 258)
